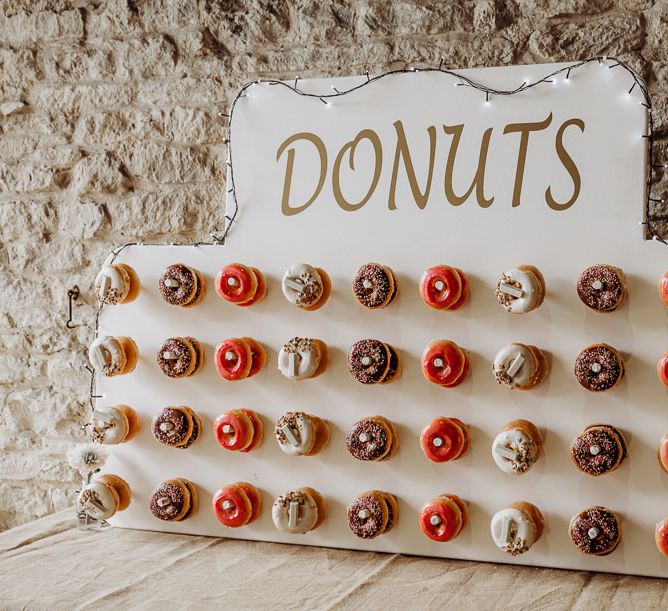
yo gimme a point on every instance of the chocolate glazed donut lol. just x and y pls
(602, 288)
(373, 286)
(368, 361)
(184, 283)
(367, 518)
(181, 363)
(598, 450)
(598, 367)
(367, 440)
(172, 427)
(595, 531)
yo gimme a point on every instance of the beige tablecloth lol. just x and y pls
(48, 564)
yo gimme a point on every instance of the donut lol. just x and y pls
(174, 500)
(598, 449)
(602, 288)
(517, 447)
(663, 452)
(173, 426)
(372, 439)
(521, 289)
(260, 292)
(238, 430)
(113, 356)
(298, 511)
(368, 361)
(116, 283)
(661, 536)
(517, 528)
(301, 358)
(236, 283)
(113, 425)
(305, 286)
(233, 359)
(595, 531)
(663, 288)
(258, 355)
(442, 519)
(180, 285)
(374, 286)
(441, 287)
(177, 357)
(233, 507)
(599, 367)
(104, 496)
(443, 362)
(444, 439)
(301, 434)
(518, 366)
(369, 515)
(662, 369)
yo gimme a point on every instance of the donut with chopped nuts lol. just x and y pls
(117, 283)
(104, 496)
(302, 357)
(305, 286)
(599, 367)
(301, 434)
(517, 447)
(112, 356)
(521, 289)
(602, 288)
(298, 511)
(517, 528)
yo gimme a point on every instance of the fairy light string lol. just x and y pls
(219, 238)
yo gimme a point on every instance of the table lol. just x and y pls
(50, 564)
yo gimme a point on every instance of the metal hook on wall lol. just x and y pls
(72, 295)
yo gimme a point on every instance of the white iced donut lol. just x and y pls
(514, 451)
(302, 285)
(112, 284)
(294, 512)
(514, 366)
(98, 500)
(110, 426)
(519, 299)
(106, 355)
(299, 358)
(295, 433)
(512, 531)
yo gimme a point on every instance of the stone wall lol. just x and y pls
(109, 132)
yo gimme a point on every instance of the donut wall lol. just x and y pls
(517, 195)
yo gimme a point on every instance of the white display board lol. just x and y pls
(601, 226)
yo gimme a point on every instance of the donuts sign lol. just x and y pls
(418, 145)
(399, 159)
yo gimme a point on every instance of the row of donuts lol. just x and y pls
(595, 531)
(599, 449)
(519, 290)
(598, 367)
